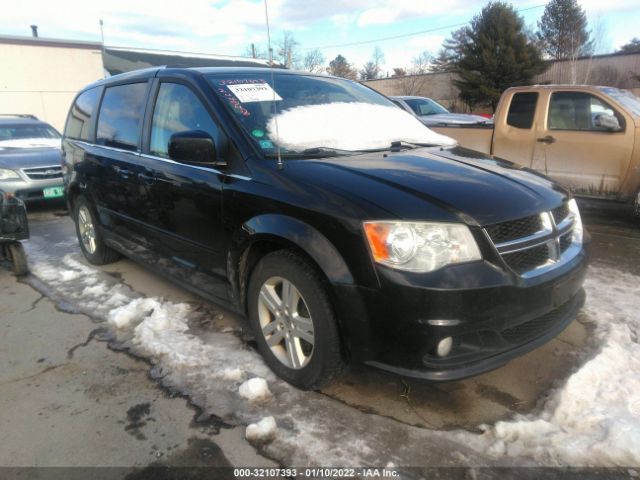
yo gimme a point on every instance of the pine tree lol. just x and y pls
(563, 32)
(341, 68)
(493, 54)
(632, 47)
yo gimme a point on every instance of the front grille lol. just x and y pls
(560, 213)
(565, 242)
(534, 328)
(523, 227)
(531, 242)
(43, 173)
(525, 260)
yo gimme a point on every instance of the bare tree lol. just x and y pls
(377, 58)
(399, 72)
(287, 51)
(415, 79)
(254, 51)
(314, 61)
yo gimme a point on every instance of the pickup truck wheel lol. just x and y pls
(293, 321)
(89, 237)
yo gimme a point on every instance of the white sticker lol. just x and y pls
(254, 92)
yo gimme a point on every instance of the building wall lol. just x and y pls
(609, 70)
(42, 79)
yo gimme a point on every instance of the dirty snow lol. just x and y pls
(265, 430)
(349, 126)
(594, 418)
(255, 390)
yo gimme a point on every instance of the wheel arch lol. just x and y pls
(266, 233)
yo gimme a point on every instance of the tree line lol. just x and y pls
(494, 52)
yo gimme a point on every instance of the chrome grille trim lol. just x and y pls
(554, 236)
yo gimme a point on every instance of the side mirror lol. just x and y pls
(192, 146)
(607, 122)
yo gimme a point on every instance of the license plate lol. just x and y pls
(53, 192)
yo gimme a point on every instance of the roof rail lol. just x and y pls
(19, 115)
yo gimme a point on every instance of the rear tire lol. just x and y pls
(89, 236)
(293, 321)
(18, 259)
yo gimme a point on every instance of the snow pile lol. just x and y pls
(263, 431)
(255, 390)
(594, 419)
(349, 126)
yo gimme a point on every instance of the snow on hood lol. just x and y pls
(349, 126)
(31, 143)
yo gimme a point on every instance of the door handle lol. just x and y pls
(548, 139)
(146, 179)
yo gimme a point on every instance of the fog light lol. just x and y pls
(444, 347)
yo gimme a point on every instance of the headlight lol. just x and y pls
(6, 174)
(578, 232)
(420, 246)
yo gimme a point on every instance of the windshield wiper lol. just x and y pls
(316, 152)
(403, 145)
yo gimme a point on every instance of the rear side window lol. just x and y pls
(79, 119)
(120, 116)
(522, 110)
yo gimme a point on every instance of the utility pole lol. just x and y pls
(103, 52)
(253, 50)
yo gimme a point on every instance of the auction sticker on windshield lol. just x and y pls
(254, 92)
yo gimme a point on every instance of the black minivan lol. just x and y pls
(343, 228)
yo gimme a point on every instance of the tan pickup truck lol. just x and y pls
(586, 137)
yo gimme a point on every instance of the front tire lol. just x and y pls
(293, 321)
(89, 236)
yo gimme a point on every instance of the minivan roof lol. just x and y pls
(146, 73)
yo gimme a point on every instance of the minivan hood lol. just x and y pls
(470, 186)
(17, 158)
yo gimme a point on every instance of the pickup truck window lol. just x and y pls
(120, 116)
(577, 111)
(522, 110)
(177, 109)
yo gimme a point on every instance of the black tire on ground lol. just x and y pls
(18, 259)
(326, 362)
(102, 254)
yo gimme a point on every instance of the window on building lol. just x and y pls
(522, 110)
(120, 116)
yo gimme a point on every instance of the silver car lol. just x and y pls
(30, 158)
(432, 113)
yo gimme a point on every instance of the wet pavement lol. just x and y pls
(518, 387)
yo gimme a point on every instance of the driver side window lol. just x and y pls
(177, 109)
(577, 111)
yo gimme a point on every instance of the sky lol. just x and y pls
(227, 27)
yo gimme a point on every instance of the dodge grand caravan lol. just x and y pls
(343, 228)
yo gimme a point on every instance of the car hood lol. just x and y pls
(17, 158)
(448, 184)
(454, 118)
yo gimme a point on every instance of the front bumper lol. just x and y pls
(491, 315)
(29, 191)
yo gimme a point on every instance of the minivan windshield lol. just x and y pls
(316, 115)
